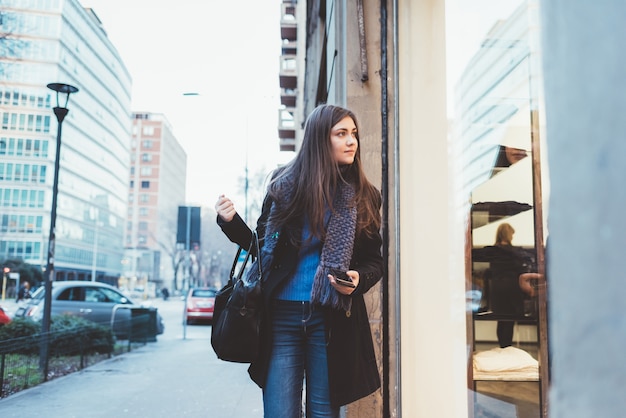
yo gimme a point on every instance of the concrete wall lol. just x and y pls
(584, 65)
(433, 345)
(426, 359)
(363, 97)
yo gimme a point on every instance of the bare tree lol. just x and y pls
(216, 251)
(170, 247)
(208, 263)
(11, 41)
(254, 192)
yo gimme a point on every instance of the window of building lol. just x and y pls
(145, 184)
(148, 130)
(20, 249)
(146, 157)
(17, 173)
(34, 173)
(19, 151)
(288, 64)
(9, 172)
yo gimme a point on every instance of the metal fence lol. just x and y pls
(70, 349)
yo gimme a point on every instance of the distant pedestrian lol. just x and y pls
(165, 293)
(23, 292)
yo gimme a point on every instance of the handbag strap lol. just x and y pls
(232, 269)
(254, 243)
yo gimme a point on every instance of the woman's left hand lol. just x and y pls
(345, 290)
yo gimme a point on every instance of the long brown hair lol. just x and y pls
(316, 175)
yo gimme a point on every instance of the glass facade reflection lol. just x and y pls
(60, 41)
(495, 117)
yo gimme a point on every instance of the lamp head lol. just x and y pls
(63, 88)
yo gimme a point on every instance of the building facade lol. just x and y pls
(60, 41)
(158, 174)
(464, 109)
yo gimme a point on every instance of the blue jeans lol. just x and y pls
(298, 351)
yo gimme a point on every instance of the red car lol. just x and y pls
(4, 318)
(199, 305)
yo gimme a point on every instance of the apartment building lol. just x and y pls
(158, 174)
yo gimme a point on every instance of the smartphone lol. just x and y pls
(342, 278)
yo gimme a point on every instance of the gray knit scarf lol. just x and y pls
(336, 251)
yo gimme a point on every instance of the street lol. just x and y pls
(179, 375)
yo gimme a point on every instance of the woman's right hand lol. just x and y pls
(225, 208)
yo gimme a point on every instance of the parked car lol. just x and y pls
(4, 317)
(199, 305)
(97, 302)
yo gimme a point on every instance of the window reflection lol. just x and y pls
(508, 156)
(493, 77)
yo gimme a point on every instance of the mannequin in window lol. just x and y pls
(506, 263)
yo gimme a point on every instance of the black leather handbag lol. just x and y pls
(237, 311)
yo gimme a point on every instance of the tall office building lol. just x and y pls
(157, 187)
(60, 41)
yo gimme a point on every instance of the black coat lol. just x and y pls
(352, 368)
(506, 264)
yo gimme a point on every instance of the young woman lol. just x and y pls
(320, 222)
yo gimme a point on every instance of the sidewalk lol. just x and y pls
(172, 377)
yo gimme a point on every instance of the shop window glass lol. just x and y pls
(495, 109)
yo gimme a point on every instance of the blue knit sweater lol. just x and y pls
(298, 286)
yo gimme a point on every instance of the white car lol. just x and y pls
(97, 302)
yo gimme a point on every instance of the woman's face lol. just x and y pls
(343, 139)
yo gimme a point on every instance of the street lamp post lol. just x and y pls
(5, 271)
(188, 250)
(94, 259)
(60, 112)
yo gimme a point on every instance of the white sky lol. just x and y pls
(228, 52)
(467, 25)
